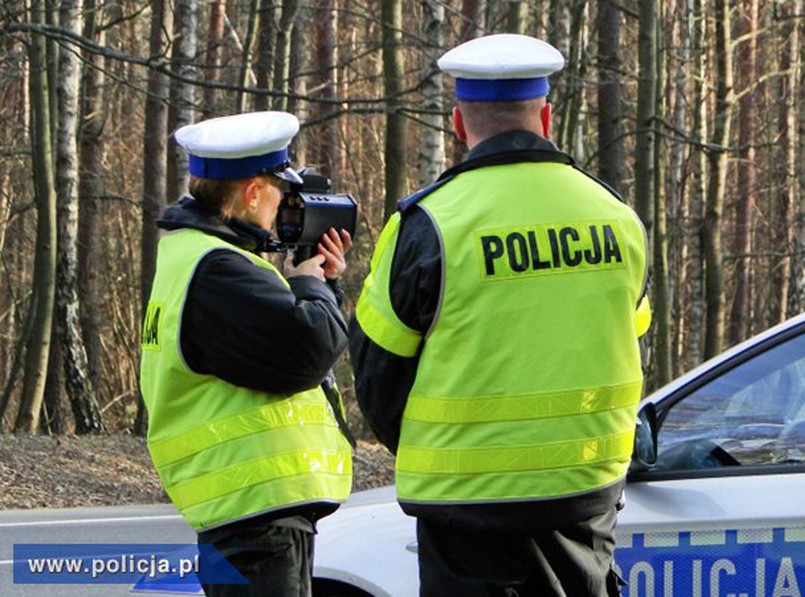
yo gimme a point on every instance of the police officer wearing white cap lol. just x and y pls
(234, 353)
(495, 345)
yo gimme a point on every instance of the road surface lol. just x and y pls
(125, 524)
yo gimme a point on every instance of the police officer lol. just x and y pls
(234, 355)
(495, 345)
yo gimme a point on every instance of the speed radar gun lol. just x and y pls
(309, 210)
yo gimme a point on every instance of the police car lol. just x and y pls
(715, 502)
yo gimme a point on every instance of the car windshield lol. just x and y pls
(753, 414)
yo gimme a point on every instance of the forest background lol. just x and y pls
(688, 107)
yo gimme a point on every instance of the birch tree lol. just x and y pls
(86, 413)
(431, 152)
(183, 91)
(282, 53)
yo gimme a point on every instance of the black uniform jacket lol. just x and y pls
(242, 324)
(383, 380)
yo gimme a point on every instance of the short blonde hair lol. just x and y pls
(218, 196)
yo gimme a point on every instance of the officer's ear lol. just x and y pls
(545, 117)
(249, 198)
(458, 124)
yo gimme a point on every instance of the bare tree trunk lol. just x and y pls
(282, 55)
(52, 52)
(154, 162)
(646, 105)
(86, 413)
(789, 88)
(660, 281)
(741, 314)
(90, 190)
(791, 143)
(694, 346)
(182, 93)
(45, 260)
(393, 72)
(265, 52)
(246, 60)
(679, 206)
(215, 40)
(571, 121)
(717, 158)
(611, 156)
(516, 16)
(559, 26)
(474, 19)
(51, 420)
(18, 361)
(431, 152)
(326, 80)
(13, 250)
(297, 87)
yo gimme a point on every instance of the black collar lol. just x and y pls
(510, 141)
(508, 148)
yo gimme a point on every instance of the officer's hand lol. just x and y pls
(333, 247)
(309, 267)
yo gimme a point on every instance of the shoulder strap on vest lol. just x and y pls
(414, 198)
(495, 159)
(606, 185)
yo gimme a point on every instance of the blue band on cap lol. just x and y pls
(233, 168)
(501, 90)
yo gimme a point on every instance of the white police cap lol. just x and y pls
(502, 67)
(240, 146)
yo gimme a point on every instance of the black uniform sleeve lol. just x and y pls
(383, 379)
(243, 325)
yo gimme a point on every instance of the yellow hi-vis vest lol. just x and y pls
(224, 452)
(529, 378)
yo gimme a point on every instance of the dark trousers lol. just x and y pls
(276, 558)
(574, 561)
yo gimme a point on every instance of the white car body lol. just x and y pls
(718, 531)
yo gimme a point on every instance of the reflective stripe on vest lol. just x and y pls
(528, 382)
(224, 452)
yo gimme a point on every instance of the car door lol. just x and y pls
(722, 511)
